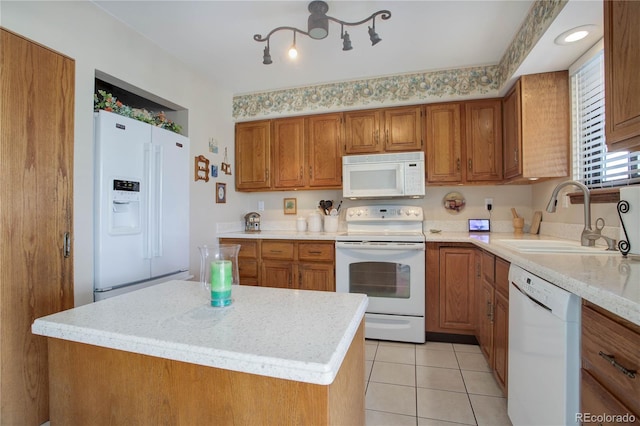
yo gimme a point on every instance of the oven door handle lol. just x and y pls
(380, 246)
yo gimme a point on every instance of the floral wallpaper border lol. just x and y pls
(404, 89)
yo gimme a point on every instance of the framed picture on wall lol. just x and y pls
(290, 206)
(221, 192)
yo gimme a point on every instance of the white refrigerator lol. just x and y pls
(141, 235)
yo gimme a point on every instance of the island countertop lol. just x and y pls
(288, 334)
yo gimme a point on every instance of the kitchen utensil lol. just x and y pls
(333, 212)
(339, 205)
(535, 222)
(518, 225)
(514, 213)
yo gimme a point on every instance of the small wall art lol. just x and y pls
(213, 145)
(290, 206)
(214, 170)
(221, 193)
(201, 168)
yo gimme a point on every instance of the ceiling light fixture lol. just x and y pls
(574, 34)
(318, 28)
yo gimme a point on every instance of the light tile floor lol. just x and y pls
(430, 384)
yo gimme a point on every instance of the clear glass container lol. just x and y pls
(219, 271)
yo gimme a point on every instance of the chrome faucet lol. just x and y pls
(589, 236)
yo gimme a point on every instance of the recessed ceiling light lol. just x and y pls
(574, 34)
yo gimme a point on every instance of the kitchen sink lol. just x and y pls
(553, 246)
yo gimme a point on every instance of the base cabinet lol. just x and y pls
(610, 355)
(298, 264)
(493, 315)
(452, 271)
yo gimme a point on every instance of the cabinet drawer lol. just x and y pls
(248, 248)
(502, 276)
(323, 252)
(277, 250)
(595, 400)
(607, 348)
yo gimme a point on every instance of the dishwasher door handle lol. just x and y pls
(542, 305)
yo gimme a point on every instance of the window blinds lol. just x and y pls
(593, 165)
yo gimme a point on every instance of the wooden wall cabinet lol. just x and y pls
(493, 315)
(288, 157)
(443, 124)
(621, 64)
(298, 264)
(253, 155)
(324, 151)
(383, 130)
(536, 121)
(464, 142)
(483, 140)
(289, 153)
(452, 271)
(36, 207)
(610, 360)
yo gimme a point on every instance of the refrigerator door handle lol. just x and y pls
(158, 154)
(147, 247)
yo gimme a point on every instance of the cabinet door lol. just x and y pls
(485, 320)
(443, 143)
(253, 155)
(36, 207)
(512, 133)
(276, 274)
(622, 88)
(316, 276)
(457, 279)
(288, 152)
(362, 132)
(403, 129)
(483, 138)
(324, 151)
(501, 339)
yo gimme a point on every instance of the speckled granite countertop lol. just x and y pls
(608, 280)
(283, 235)
(289, 334)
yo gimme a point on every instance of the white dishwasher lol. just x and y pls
(544, 352)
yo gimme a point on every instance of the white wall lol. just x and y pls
(96, 41)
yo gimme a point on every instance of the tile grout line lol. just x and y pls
(475, 418)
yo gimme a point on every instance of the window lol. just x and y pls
(593, 165)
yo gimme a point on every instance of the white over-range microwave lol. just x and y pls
(398, 175)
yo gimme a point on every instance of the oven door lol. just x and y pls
(391, 274)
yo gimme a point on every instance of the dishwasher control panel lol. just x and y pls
(549, 296)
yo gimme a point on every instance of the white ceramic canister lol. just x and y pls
(301, 224)
(315, 222)
(331, 224)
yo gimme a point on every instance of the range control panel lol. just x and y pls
(381, 213)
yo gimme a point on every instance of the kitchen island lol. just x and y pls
(162, 355)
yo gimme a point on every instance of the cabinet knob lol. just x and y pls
(470, 168)
(458, 164)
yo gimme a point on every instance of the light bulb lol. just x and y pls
(293, 52)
